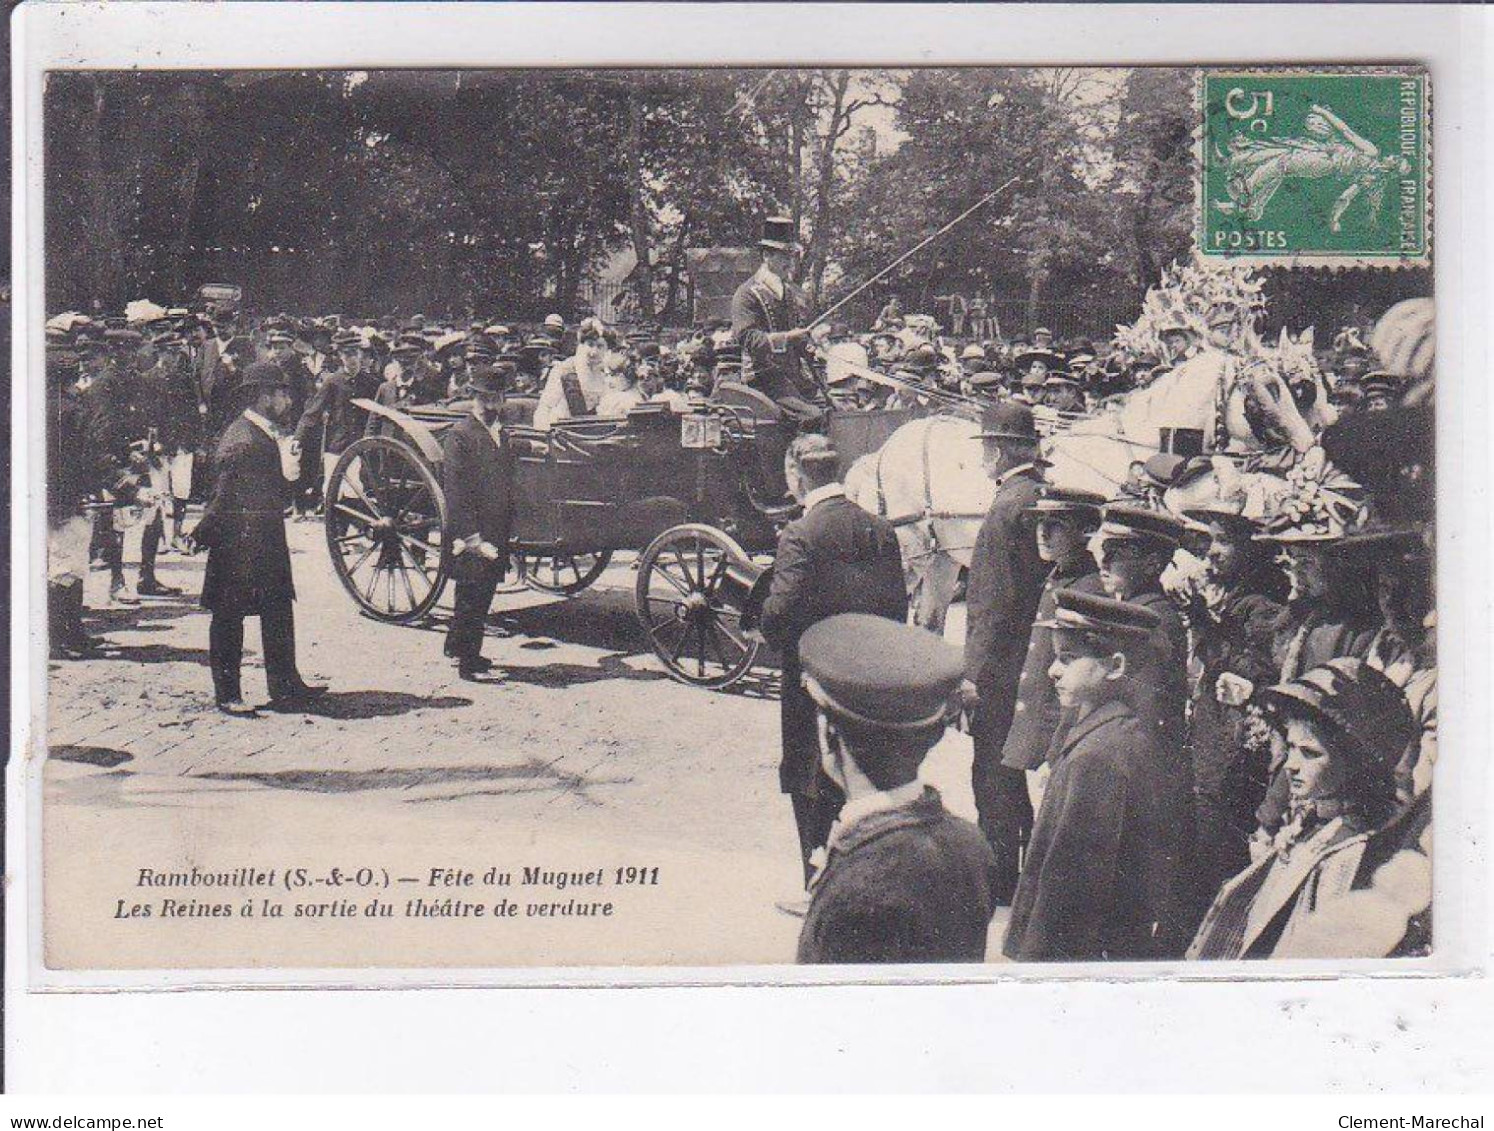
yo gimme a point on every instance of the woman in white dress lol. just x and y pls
(576, 385)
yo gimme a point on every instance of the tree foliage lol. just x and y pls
(505, 191)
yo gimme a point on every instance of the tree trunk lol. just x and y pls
(677, 267)
(1035, 283)
(825, 188)
(103, 237)
(796, 164)
(643, 276)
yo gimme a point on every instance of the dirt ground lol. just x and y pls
(577, 754)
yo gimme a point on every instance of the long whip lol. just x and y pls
(905, 256)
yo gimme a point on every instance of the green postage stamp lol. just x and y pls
(1327, 168)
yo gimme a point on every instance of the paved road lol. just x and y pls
(579, 753)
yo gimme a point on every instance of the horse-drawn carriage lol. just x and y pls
(700, 495)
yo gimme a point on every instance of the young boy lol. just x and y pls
(1065, 521)
(1132, 547)
(903, 880)
(1105, 868)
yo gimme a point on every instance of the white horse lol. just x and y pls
(929, 480)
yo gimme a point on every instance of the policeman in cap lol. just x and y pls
(902, 879)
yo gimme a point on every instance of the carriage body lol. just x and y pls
(698, 495)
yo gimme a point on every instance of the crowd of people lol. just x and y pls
(1196, 732)
(1199, 731)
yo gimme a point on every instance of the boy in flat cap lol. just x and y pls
(1106, 867)
(903, 879)
(1132, 547)
(1065, 520)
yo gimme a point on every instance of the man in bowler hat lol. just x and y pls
(1006, 581)
(477, 474)
(248, 565)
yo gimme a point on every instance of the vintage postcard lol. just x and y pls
(721, 517)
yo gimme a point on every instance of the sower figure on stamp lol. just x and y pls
(903, 880)
(248, 565)
(1006, 582)
(477, 475)
(768, 314)
(835, 558)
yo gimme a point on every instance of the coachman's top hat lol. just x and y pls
(778, 234)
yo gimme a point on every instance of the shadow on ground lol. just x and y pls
(597, 618)
(152, 653)
(103, 756)
(378, 704)
(107, 619)
(571, 675)
(523, 777)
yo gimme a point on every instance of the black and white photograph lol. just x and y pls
(738, 517)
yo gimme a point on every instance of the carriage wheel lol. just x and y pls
(689, 598)
(561, 573)
(386, 526)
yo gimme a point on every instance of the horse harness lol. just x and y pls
(928, 513)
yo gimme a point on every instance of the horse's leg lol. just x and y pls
(941, 575)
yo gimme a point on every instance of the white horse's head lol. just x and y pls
(1260, 411)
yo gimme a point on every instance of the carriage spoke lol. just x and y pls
(367, 520)
(716, 574)
(357, 490)
(679, 645)
(700, 658)
(730, 634)
(681, 587)
(715, 639)
(405, 577)
(684, 568)
(363, 557)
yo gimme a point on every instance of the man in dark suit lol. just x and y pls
(903, 881)
(835, 558)
(768, 314)
(330, 420)
(248, 565)
(1006, 580)
(477, 474)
